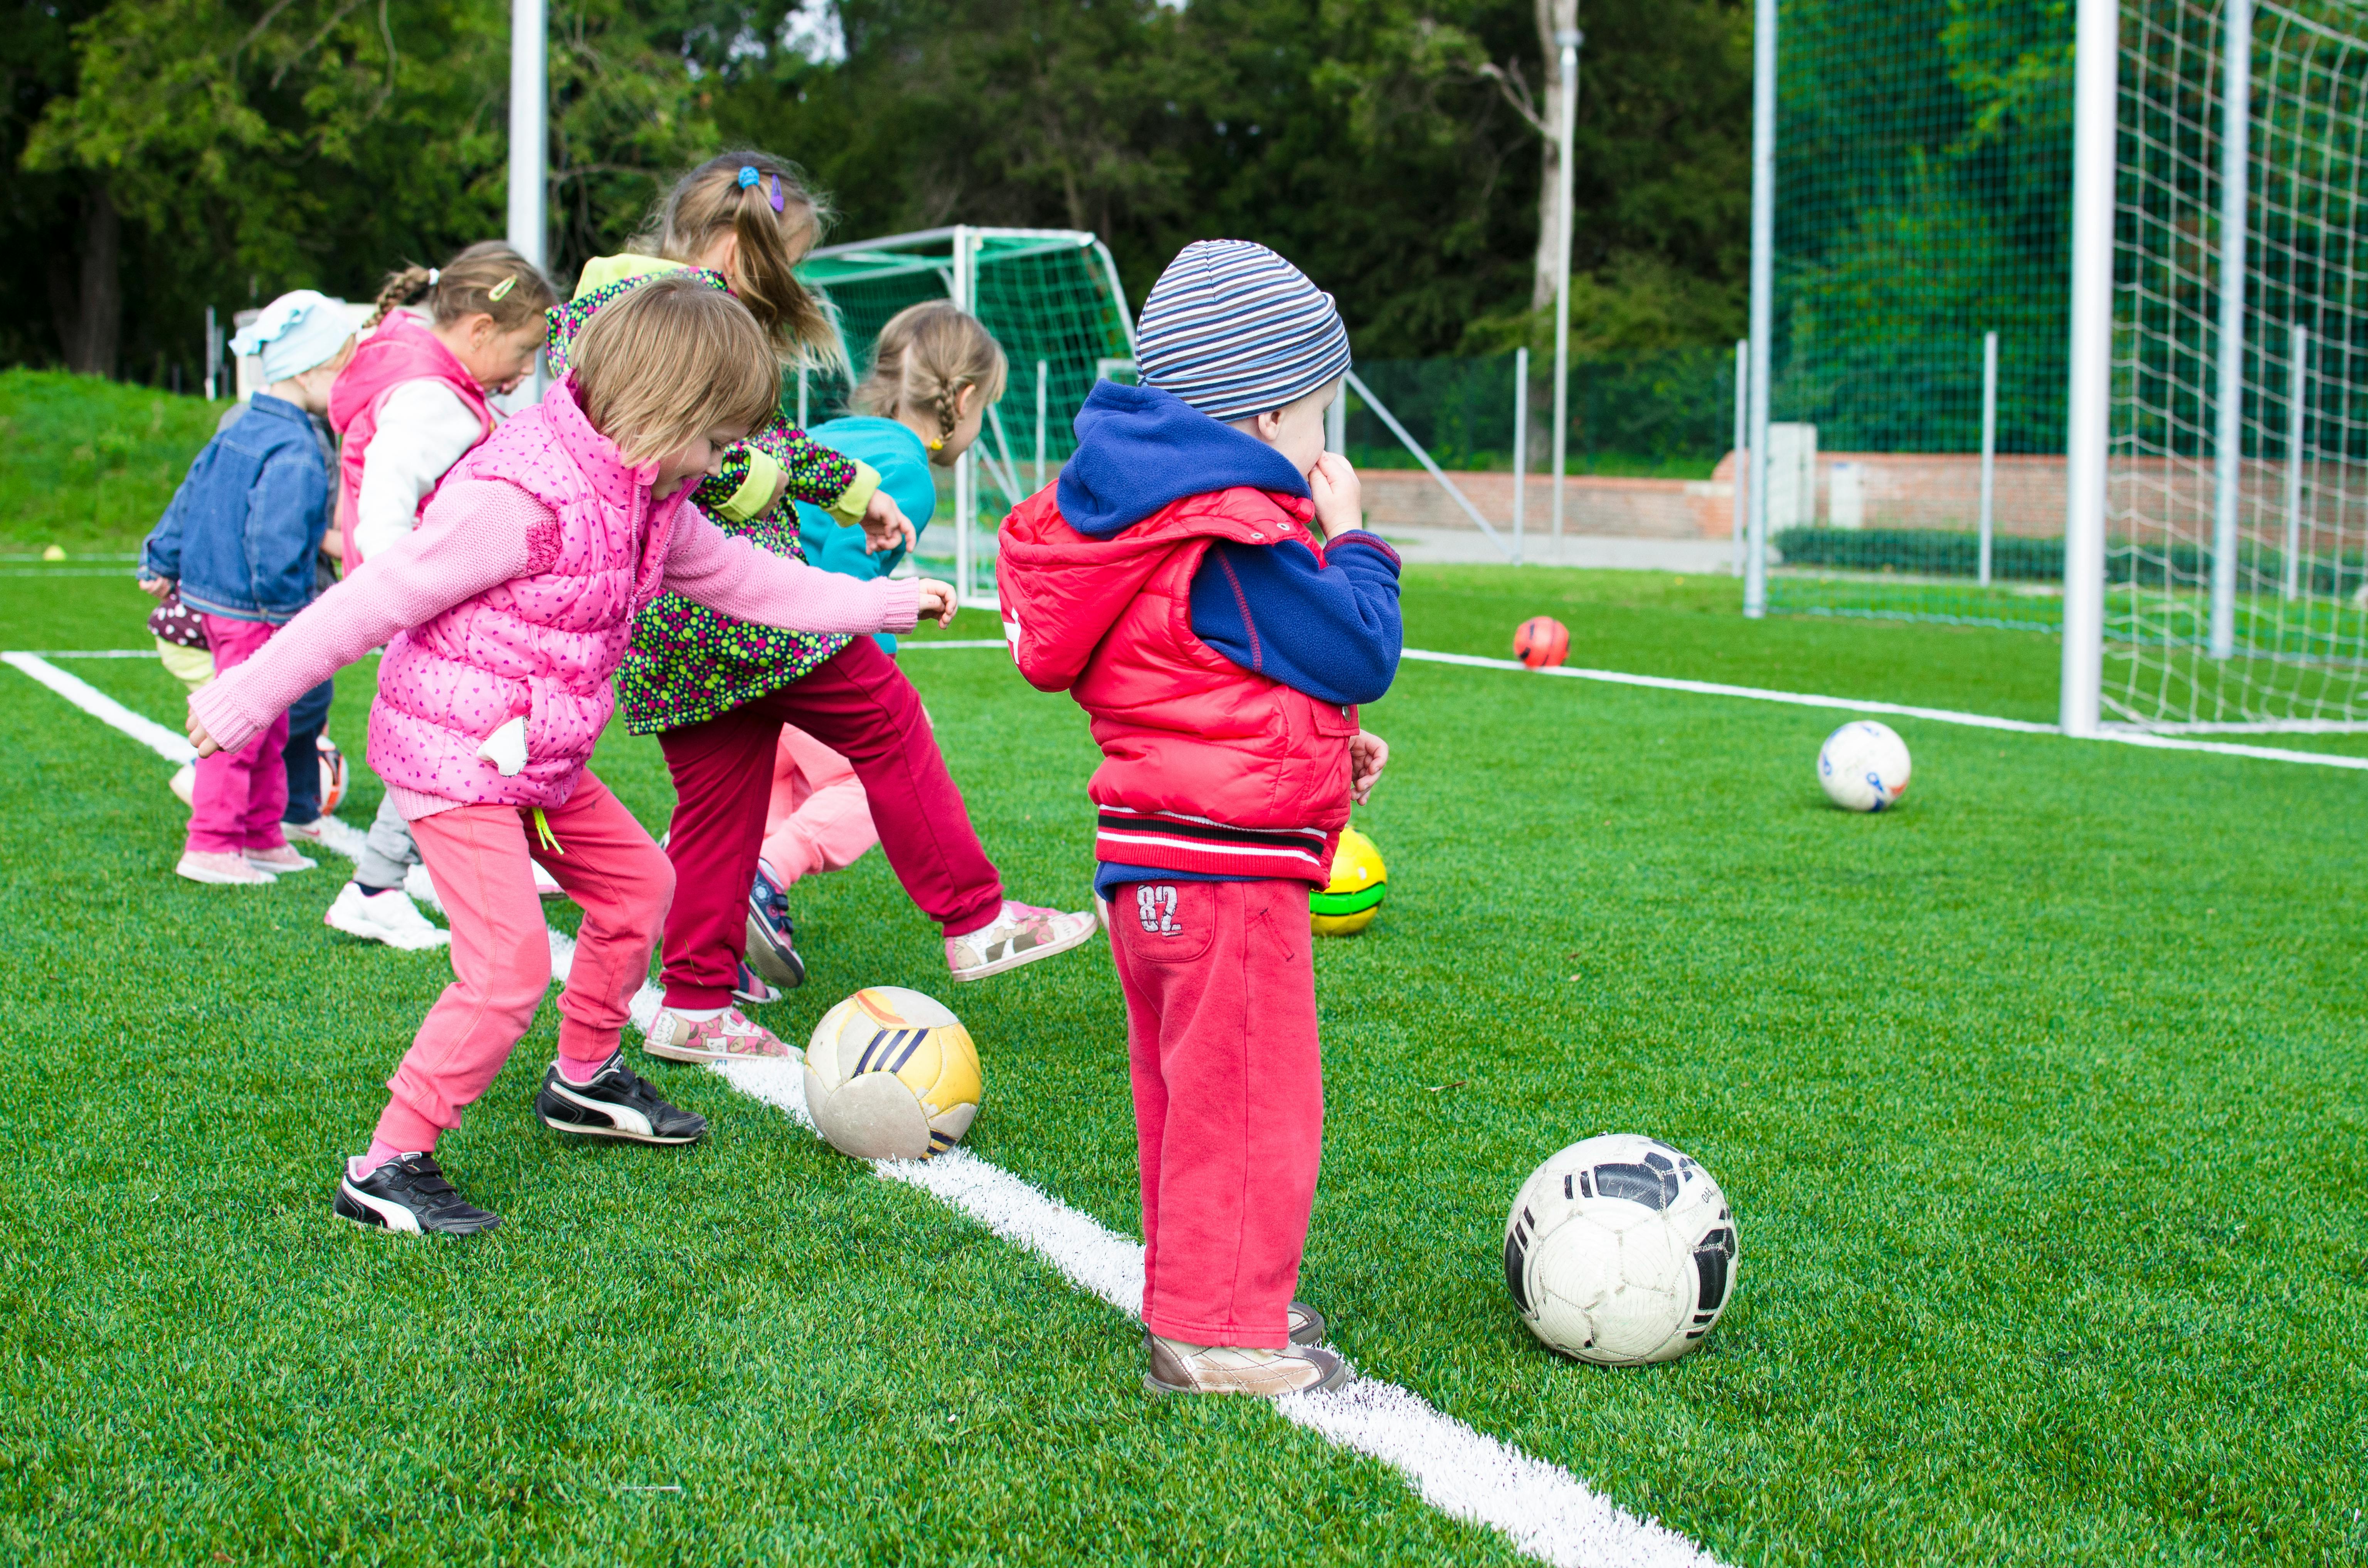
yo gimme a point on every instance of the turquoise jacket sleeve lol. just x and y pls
(905, 473)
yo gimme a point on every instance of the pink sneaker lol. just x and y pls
(279, 860)
(729, 1037)
(223, 869)
(1021, 934)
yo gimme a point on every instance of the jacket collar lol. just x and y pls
(616, 483)
(400, 350)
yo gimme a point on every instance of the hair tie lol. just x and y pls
(776, 193)
(433, 274)
(748, 175)
(934, 443)
(500, 290)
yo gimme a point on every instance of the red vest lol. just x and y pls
(400, 350)
(1205, 766)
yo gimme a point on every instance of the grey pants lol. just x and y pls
(388, 850)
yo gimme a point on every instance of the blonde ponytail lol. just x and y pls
(776, 217)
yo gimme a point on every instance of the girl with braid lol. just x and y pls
(716, 690)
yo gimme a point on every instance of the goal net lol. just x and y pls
(1051, 298)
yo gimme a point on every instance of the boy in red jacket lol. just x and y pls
(1198, 581)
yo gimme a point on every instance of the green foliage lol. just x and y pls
(87, 463)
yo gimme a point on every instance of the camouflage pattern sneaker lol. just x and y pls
(1179, 1367)
(729, 1037)
(1021, 934)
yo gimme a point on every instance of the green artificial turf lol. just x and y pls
(2039, 1101)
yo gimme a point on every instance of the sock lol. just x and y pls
(379, 1153)
(367, 890)
(581, 1073)
(696, 1015)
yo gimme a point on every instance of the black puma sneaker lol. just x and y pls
(615, 1104)
(409, 1194)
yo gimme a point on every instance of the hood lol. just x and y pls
(1140, 450)
(401, 349)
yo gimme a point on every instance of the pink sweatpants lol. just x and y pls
(501, 949)
(818, 819)
(1220, 985)
(241, 793)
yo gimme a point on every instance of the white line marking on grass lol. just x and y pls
(1543, 1510)
(905, 642)
(147, 652)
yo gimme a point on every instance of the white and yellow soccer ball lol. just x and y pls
(892, 1074)
(1620, 1251)
(1864, 766)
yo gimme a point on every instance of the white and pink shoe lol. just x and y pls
(1020, 934)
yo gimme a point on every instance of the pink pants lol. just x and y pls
(501, 950)
(241, 793)
(1220, 985)
(818, 819)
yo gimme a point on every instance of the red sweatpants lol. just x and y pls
(860, 705)
(1220, 987)
(501, 949)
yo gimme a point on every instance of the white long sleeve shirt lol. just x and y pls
(423, 429)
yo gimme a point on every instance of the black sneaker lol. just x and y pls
(772, 936)
(409, 1193)
(615, 1104)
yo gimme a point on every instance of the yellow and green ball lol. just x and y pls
(1360, 882)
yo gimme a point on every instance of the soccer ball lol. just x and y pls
(891, 1075)
(1542, 642)
(1620, 1251)
(1360, 882)
(332, 773)
(1863, 766)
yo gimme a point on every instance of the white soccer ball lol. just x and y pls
(1863, 766)
(891, 1075)
(1620, 1251)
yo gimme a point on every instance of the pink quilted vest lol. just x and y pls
(541, 647)
(400, 350)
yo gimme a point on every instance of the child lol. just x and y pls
(238, 543)
(1171, 583)
(934, 372)
(505, 615)
(410, 406)
(716, 691)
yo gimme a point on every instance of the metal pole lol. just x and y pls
(1989, 449)
(1763, 293)
(213, 354)
(802, 397)
(1044, 406)
(2095, 110)
(965, 476)
(529, 152)
(1742, 437)
(1567, 40)
(2229, 446)
(1335, 422)
(2297, 411)
(1520, 445)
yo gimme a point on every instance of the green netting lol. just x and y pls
(1665, 413)
(1923, 187)
(1052, 299)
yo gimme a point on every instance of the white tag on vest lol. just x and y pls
(505, 748)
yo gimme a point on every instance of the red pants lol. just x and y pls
(1220, 987)
(501, 949)
(860, 705)
(241, 793)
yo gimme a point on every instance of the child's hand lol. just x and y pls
(1340, 498)
(938, 601)
(885, 526)
(1368, 755)
(205, 743)
(155, 587)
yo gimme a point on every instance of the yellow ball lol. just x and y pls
(892, 1074)
(1360, 882)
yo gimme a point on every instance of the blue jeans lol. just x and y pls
(306, 716)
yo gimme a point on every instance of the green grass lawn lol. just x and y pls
(88, 464)
(2040, 1102)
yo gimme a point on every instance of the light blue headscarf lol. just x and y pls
(295, 332)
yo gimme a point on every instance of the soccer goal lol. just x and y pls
(2061, 322)
(1051, 298)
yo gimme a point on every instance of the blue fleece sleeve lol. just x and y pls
(1331, 630)
(287, 512)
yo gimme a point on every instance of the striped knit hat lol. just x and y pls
(1232, 329)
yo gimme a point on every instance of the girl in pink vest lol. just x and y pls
(410, 406)
(505, 615)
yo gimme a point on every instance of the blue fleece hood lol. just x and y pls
(1140, 450)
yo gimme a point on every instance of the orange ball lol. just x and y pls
(1542, 642)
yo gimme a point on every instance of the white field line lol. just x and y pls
(1543, 1510)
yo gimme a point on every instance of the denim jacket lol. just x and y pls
(241, 533)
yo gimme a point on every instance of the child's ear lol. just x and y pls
(966, 400)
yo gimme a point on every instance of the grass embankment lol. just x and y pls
(87, 464)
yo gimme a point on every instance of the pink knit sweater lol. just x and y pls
(481, 533)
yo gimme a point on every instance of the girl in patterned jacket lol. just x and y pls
(717, 690)
(505, 614)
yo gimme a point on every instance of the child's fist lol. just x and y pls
(1368, 755)
(938, 601)
(155, 587)
(205, 743)
(1340, 498)
(885, 526)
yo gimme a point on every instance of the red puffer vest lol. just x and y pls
(400, 350)
(1205, 766)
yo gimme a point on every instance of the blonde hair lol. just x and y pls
(670, 360)
(487, 278)
(926, 354)
(712, 200)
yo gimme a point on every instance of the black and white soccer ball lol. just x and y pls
(1620, 1251)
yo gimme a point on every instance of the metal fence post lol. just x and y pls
(1989, 448)
(1520, 445)
(1742, 440)
(2096, 65)
(1763, 293)
(2228, 445)
(2297, 412)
